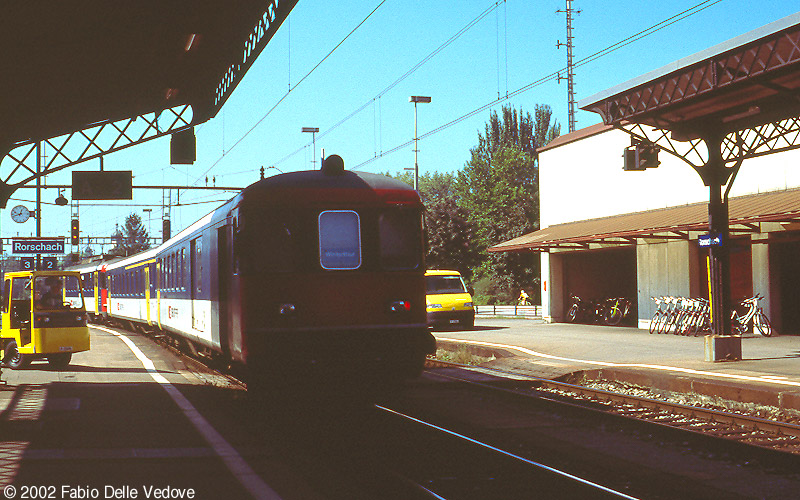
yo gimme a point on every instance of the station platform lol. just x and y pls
(766, 380)
(130, 419)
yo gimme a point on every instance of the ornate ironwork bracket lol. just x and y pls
(92, 142)
(731, 150)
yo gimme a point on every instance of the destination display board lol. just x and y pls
(102, 185)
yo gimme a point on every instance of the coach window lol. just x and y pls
(196, 254)
(400, 239)
(339, 240)
(182, 269)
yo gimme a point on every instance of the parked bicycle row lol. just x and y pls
(692, 316)
(609, 311)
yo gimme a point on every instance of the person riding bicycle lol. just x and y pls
(523, 299)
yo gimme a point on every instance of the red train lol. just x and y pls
(313, 272)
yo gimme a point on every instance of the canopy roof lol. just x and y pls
(748, 80)
(68, 65)
(746, 213)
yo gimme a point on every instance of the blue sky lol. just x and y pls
(513, 46)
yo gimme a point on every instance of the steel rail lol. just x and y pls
(508, 454)
(717, 416)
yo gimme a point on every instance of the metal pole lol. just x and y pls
(416, 150)
(720, 263)
(415, 99)
(38, 200)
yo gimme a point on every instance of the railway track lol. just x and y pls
(394, 446)
(499, 473)
(736, 427)
(414, 456)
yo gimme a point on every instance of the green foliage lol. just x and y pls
(499, 188)
(494, 198)
(450, 235)
(131, 239)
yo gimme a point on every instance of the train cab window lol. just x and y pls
(339, 240)
(400, 239)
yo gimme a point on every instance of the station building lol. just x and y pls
(605, 232)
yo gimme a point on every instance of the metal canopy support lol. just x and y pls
(175, 65)
(717, 156)
(87, 144)
(713, 110)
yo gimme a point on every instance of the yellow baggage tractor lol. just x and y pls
(43, 316)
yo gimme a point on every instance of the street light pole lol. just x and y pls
(415, 99)
(149, 212)
(313, 131)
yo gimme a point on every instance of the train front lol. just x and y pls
(332, 275)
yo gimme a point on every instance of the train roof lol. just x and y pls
(332, 176)
(317, 179)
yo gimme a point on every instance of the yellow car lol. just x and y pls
(449, 300)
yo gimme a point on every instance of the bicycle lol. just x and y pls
(615, 310)
(753, 317)
(657, 314)
(585, 311)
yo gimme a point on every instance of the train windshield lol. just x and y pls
(399, 233)
(281, 241)
(339, 239)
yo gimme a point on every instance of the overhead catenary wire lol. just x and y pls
(552, 76)
(291, 88)
(477, 19)
(508, 95)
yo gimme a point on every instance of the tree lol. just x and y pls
(448, 231)
(131, 239)
(499, 189)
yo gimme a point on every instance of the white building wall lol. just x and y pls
(584, 179)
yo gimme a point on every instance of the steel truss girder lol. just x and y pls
(734, 147)
(92, 142)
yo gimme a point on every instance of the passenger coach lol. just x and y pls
(305, 271)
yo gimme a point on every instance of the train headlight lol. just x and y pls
(468, 304)
(287, 309)
(434, 306)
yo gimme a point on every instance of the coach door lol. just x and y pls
(147, 293)
(196, 265)
(228, 300)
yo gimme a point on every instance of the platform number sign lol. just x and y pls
(49, 263)
(27, 263)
